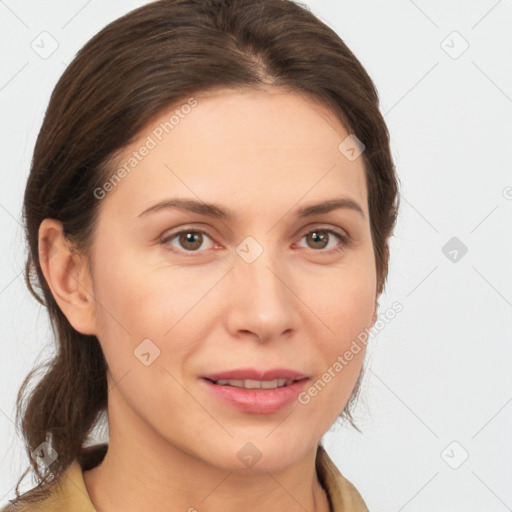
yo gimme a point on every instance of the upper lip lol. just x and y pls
(254, 374)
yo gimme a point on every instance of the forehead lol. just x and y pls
(237, 146)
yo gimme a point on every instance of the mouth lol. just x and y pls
(254, 384)
(255, 391)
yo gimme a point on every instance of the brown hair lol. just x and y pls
(132, 70)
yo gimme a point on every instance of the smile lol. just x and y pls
(255, 396)
(255, 384)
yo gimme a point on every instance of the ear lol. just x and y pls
(67, 275)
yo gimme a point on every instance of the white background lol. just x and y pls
(441, 370)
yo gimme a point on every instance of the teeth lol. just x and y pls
(255, 384)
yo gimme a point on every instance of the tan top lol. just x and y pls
(71, 494)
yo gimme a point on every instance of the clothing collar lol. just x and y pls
(342, 495)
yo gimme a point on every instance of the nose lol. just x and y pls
(263, 305)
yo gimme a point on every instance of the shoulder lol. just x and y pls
(67, 493)
(32, 501)
(38, 499)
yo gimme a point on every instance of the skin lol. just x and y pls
(262, 154)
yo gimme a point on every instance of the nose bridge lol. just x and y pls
(262, 300)
(259, 268)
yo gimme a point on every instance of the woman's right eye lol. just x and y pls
(189, 240)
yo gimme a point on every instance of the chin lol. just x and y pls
(259, 455)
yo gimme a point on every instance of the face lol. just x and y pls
(192, 304)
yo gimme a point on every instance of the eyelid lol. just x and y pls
(325, 227)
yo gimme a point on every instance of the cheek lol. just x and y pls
(346, 308)
(136, 303)
(344, 299)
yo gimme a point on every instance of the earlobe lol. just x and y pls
(67, 276)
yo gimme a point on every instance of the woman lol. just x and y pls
(208, 214)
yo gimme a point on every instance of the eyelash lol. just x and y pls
(345, 240)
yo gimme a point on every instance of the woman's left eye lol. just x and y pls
(191, 240)
(320, 239)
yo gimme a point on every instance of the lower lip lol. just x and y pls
(258, 401)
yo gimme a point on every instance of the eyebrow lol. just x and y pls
(217, 211)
